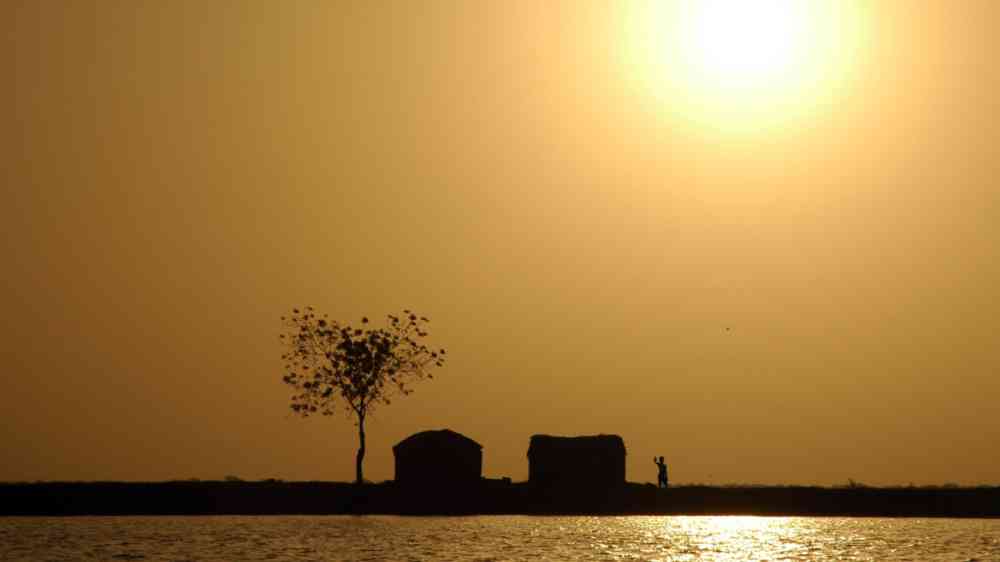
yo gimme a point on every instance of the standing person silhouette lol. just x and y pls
(661, 477)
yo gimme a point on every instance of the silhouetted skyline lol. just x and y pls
(763, 287)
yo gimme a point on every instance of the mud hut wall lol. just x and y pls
(577, 461)
(435, 463)
(608, 468)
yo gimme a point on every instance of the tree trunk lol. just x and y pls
(358, 473)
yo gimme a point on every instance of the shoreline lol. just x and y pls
(489, 497)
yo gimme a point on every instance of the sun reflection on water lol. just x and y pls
(725, 537)
(741, 532)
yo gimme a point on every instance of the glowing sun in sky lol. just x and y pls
(740, 41)
(745, 63)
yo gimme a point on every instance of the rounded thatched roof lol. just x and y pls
(436, 438)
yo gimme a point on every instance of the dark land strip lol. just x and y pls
(488, 497)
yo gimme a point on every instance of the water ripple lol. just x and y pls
(497, 538)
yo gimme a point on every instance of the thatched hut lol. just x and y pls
(438, 457)
(592, 461)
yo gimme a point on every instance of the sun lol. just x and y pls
(744, 64)
(744, 44)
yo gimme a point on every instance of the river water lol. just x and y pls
(497, 538)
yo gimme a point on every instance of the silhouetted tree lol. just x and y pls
(329, 362)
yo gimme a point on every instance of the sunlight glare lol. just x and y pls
(744, 64)
(738, 41)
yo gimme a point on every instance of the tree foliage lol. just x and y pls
(329, 362)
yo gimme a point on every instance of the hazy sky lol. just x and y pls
(789, 279)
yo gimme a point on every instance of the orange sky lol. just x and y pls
(801, 298)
